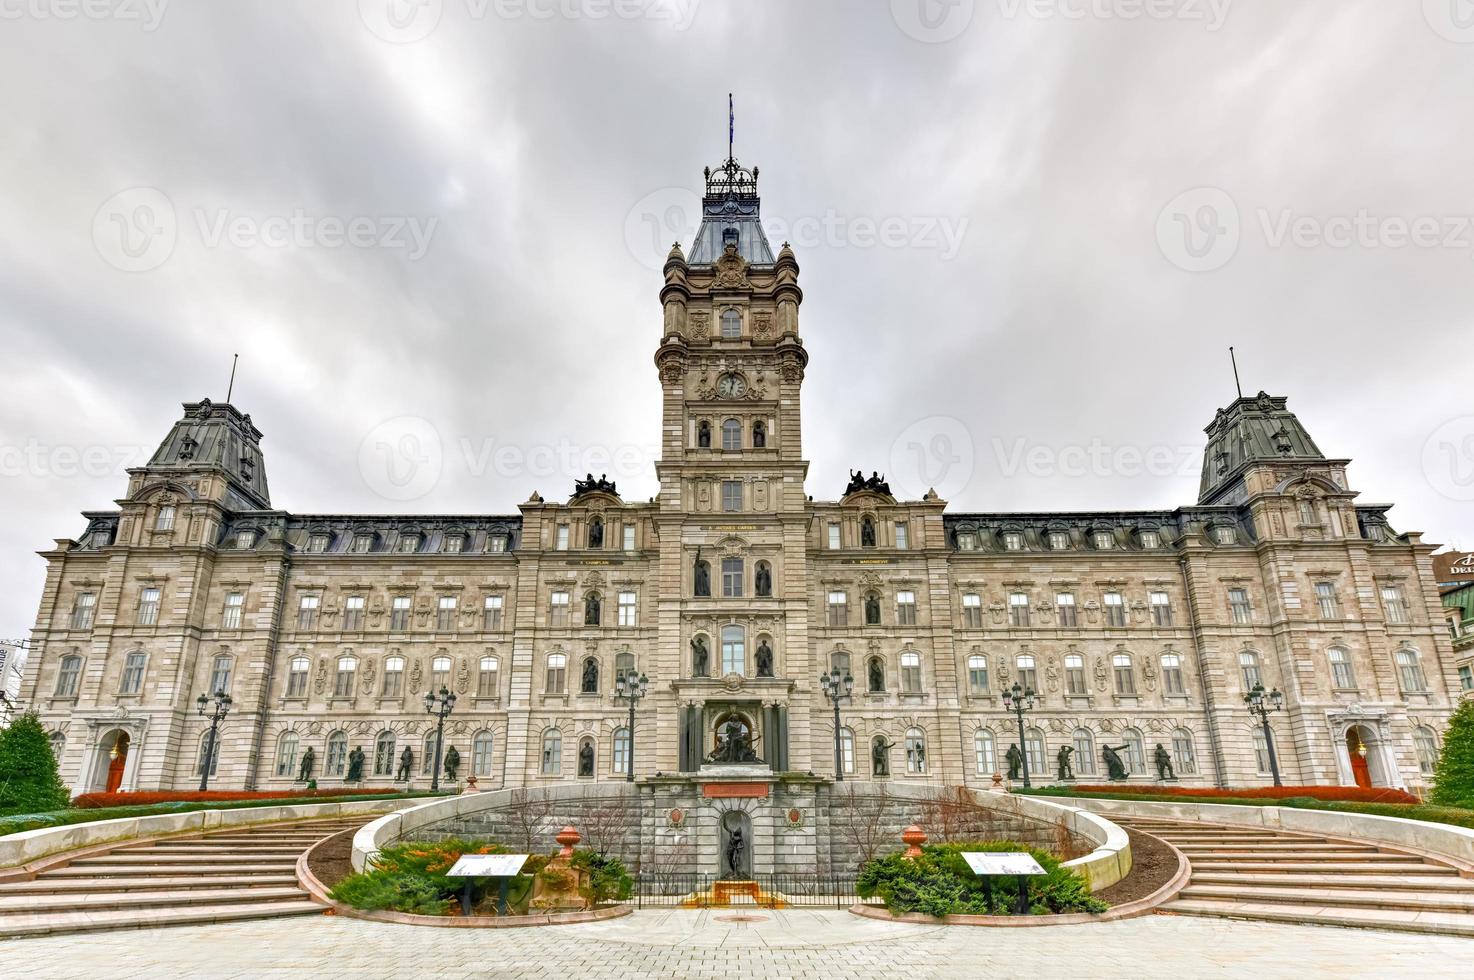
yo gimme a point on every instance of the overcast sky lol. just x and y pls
(1029, 231)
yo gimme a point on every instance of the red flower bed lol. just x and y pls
(95, 801)
(1349, 794)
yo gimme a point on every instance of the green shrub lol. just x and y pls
(940, 883)
(398, 892)
(609, 879)
(28, 779)
(411, 877)
(1453, 780)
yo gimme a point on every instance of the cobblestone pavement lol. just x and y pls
(680, 945)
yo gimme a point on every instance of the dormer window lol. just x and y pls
(1013, 541)
(318, 543)
(1104, 540)
(1224, 534)
(454, 543)
(1059, 540)
(363, 544)
(1151, 540)
(731, 319)
(967, 541)
(409, 543)
(164, 520)
(496, 543)
(245, 540)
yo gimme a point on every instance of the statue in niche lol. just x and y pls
(304, 771)
(734, 744)
(872, 610)
(590, 677)
(867, 533)
(880, 756)
(764, 659)
(596, 533)
(703, 435)
(1063, 758)
(876, 671)
(355, 765)
(735, 845)
(586, 759)
(763, 579)
(1115, 765)
(1162, 758)
(1015, 761)
(759, 436)
(591, 609)
(406, 764)
(702, 576)
(700, 656)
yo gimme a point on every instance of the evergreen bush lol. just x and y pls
(1453, 780)
(28, 779)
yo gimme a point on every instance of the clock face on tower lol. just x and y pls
(731, 386)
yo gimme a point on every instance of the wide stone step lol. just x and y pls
(1283, 847)
(1362, 857)
(142, 898)
(306, 840)
(1420, 882)
(212, 849)
(47, 884)
(1384, 898)
(1234, 838)
(1325, 867)
(77, 870)
(124, 858)
(48, 923)
(1401, 920)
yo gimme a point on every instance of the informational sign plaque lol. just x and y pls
(1007, 863)
(487, 866)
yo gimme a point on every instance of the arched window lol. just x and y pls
(220, 674)
(910, 672)
(1261, 749)
(58, 743)
(872, 609)
(1034, 751)
(1410, 671)
(731, 435)
(759, 435)
(427, 753)
(297, 671)
(762, 577)
(1125, 676)
(393, 676)
(343, 682)
(68, 676)
(1084, 760)
(209, 752)
(588, 678)
(734, 651)
(847, 749)
(552, 757)
(486, 678)
(1184, 756)
(133, 665)
(286, 754)
(624, 663)
(984, 758)
(1426, 744)
(592, 609)
(731, 325)
(1341, 676)
(439, 674)
(620, 759)
(481, 748)
(557, 674)
(1249, 667)
(1028, 674)
(977, 674)
(384, 754)
(1135, 751)
(337, 759)
(703, 434)
(915, 751)
(875, 675)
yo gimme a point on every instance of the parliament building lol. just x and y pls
(732, 591)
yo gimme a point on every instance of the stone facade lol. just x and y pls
(1135, 628)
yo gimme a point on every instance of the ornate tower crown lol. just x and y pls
(730, 216)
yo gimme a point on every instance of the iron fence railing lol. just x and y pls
(776, 890)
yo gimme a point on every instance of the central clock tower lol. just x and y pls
(732, 520)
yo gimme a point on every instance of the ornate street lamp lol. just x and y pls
(439, 705)
(1019, 699)
(221, 707)
(1263, 705)
(630, 687)
(836, 689)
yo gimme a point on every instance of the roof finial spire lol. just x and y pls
(731, 125)
(1235, 362)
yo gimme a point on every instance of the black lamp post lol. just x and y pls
(221, 707)
(1018, 700)
(439, 705)
(1263, 705)
(836, 689)
(630, 687)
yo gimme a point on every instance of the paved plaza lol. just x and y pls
(686, 945)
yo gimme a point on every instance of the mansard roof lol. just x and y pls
(1251, 430)
(730, 210)
(220, 438)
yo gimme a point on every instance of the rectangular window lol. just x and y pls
(1466, 677)
(558, 609)
(1059, 540)
(220, 675)
(393, 677)
(307, 612)
(905, 608)
(1238, 605)
(486, 678)
(297, 678)
(1075, 675)
(627, 609)
(1104, 540)
(165, 519)
(1161, 604)
(731, 437)
(1172, 674)
(734, 651)
(363, 544)
(343, 682)
(838, 610)
(972, 611)
(1184, 760)
(1151, 540)
(82, 609)
(561, 543)
(1115, 609)
(1325, 596)
(496, 543)
(454, 544)
(399, 614)
(732, 578)
(967, 542)
(1125, 676)
(133, 674)
(1065, 603)
(903, 535)
(977, 674)
(1013, 541)
(230, 619)
(1018, 609)
(445, 614)
(491, 615)
(353, 613)
(1395, 605)
(409, 544)
(629, 537)
(148, 607)
(834, 537)
(731, 496)
(317, 544)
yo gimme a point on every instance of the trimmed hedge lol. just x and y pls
(940, 883)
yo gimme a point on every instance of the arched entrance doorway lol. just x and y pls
(1356, 750)
(116, 748)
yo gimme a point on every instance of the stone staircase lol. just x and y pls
(1253, 873)
(243, 873)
